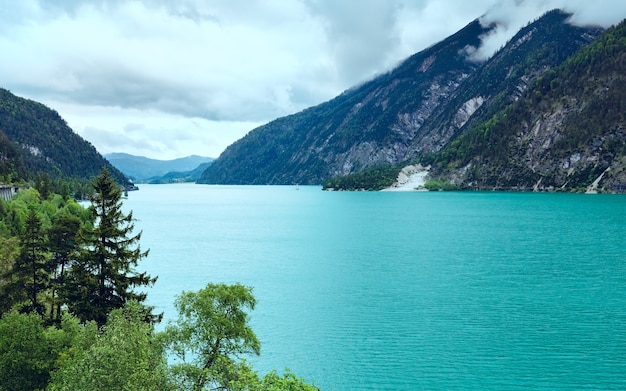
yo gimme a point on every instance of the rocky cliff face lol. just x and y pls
(413, 111)
(533, 51)
(566, 132)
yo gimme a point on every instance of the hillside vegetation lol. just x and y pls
(44, 143)
(12, 168)
(375, 178)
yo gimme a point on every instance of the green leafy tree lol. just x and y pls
(271, 382)
(211, 332)
(28, 351)
(29, 275)
(374, 178)
(122, 355)
(287, 382)
(105, 277)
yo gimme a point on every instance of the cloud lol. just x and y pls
(225, 65)
(357, 44)
(511, 15)
(248, 60)
(151, 133)
(221, 69)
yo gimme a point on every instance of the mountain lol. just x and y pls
(142, 168)
(368, 124)
(181, 176)
(37, 140)
(566, 132)
(412, 111)
(499, 82)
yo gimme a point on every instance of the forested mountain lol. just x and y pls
(409, 112)
(45, 144)
(568, 131)
(12, 167)
(141, 168)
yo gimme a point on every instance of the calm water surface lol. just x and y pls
(406, 291)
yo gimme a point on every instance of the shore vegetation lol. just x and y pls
(73, 313)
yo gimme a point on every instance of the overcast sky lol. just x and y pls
(171, 78)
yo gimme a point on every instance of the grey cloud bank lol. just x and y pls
(166, 79)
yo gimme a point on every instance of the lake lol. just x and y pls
(405, 290)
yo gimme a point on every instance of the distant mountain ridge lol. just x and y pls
(181, 176)
(415, 110)
(141, 168)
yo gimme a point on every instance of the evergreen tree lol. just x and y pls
(63, 241)
(29, 276)
(43, 185)
(104, 277)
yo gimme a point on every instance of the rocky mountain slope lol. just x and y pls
(412, 111)
(503, 79)
(371, 123)
(567, 132)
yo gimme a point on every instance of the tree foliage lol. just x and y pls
(104, 277)
(68, 256)
(64, 243)
(28, 352)
(44, 143)
(211, 331)
(28, 277)
(123, 355)
(376, 178)
(30, 247)
(64, 350)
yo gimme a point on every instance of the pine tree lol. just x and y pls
(29, 277)
(43, 185)
(63, 242)
(104, 278)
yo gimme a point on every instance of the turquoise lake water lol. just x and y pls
(406, 291)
